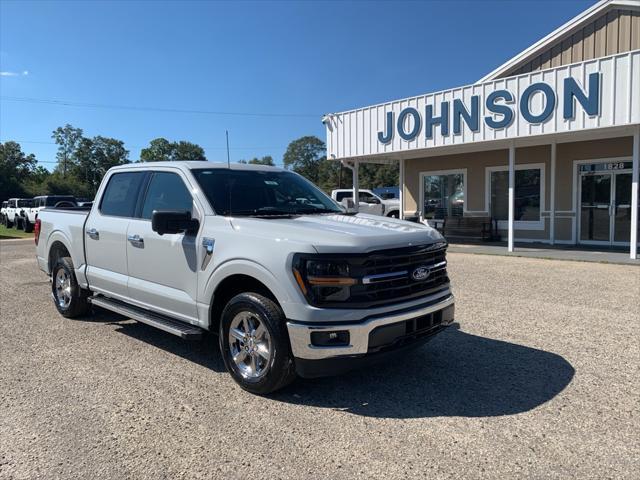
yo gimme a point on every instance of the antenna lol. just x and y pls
(228, 157)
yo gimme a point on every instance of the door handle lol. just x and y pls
(136, 240)
(93, 233)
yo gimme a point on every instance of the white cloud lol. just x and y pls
(24, 73)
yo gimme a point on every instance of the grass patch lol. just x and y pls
(13, 233)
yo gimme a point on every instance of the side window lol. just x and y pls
(342, 195)
(120, 196)
(166, 191)
(367, 198)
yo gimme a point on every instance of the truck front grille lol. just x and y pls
(387, 276)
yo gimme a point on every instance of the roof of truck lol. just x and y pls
(199, 164)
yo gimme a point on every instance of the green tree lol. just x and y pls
(162, 150)
(15, 169)
(159, 150)
(304, 156)
(187, 151)
(68, 139)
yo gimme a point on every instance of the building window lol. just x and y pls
(528, 194)
(443, 195)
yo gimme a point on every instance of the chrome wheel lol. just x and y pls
(250, 345)
(63, 288)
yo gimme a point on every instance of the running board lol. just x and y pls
(161, 322)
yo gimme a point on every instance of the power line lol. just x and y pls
(66, 103)
(41, 142)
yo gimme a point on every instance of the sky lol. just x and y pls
(264, 71)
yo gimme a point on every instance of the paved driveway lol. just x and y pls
(539, 380)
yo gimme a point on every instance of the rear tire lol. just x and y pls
(28, 226)
(9, 223)
(69, 298)
(255, 344)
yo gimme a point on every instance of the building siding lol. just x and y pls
(617, 31)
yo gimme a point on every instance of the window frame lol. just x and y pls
(144, 191)
(518, 224)
(455, 171)
(142, 187)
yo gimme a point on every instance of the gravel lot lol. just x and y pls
(540, 380)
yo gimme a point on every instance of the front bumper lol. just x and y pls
(300, 334)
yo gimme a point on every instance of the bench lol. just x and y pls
(476, 228)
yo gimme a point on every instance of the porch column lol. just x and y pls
(401, 189)
(356, 185)
(633, 250)
(552, 197)
(512, 181)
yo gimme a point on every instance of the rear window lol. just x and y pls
(53, 201)
(120, 196)
(342, 195)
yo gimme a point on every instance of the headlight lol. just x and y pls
(323, 280)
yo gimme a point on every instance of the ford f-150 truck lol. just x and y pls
(292, 283)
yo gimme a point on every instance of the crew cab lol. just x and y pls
(14, 215)
(292, 283)
(369, 202)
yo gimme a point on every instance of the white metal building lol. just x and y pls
(547, 145)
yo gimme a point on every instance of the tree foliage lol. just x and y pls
(162, 150)
(84, 160)
(16, 167)
(306, 156)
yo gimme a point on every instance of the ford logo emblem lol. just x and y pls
(420, 273)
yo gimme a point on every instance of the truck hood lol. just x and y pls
(359, 233)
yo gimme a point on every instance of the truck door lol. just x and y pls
(369, 203)
(163, 269)
(106, 234)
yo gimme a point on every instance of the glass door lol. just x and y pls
(595, 207)
(622, 208)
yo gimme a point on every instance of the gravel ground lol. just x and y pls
(539, 380)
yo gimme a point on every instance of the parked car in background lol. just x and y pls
(29, 215)
(369, 202)
(14, 215)
(292, 283)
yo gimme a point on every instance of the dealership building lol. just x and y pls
(545, 148)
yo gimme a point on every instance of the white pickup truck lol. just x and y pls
(292, 283)
(14, 216)
(30, 215)
(369, 202)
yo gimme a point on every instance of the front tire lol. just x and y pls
(69, 298)
(255, 344)
(28, 226)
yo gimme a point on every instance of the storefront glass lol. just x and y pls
(443, 195)
(527, 195)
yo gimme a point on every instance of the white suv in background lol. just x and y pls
(369, 202)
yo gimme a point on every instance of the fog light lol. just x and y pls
(338, 338)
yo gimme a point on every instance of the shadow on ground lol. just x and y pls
(456, 374)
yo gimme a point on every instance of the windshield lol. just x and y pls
(262, 193)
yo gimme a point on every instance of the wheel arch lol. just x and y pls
(231, 286)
